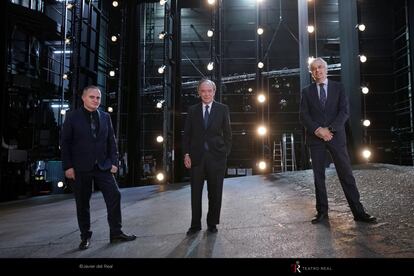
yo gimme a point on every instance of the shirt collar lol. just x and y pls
(89, 112)
(210, 104)
(325, 82)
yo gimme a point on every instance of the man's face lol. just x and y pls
(319, 71)
(206, 92)
(91, 99)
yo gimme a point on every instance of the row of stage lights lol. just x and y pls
(68, 40)
(262, 130)
(114, 38)
(366, 153)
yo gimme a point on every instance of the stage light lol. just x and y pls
(112, 73)
(69, 6)
(262, 165)
(63, 112)
(161, 69)
(364, 90)
(115, 4)
(162, 2)
(160, 176)
(210, 33)
(114, 38)
(65, 76)
(261, 98)
(260, 31)
(162, 35)
(110, 109)
(261, 130)
(260, 65)
(361, 27)
(67, 40)
(366, 153)
(311, 29)
(159, 104)
(60, 184)
(366, 123)
(160, 139)
(362, 58)
(211, 2)
(210, 66)
(250, 89)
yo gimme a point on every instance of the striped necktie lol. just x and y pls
(322, 96)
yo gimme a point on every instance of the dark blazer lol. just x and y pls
(217, 135)
(336, 113)
(80, 150)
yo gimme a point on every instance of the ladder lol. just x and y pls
(277, 165)
(288, 154)
(284, 154)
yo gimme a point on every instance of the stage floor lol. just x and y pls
(263, 216)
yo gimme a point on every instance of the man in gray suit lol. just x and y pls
(207, 143)
(324, 110)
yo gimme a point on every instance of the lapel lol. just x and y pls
(315, 96)
(331, 93)
(199, 114)
(100, 117)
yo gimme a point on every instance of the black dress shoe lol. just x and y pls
(365, 218)
(319, 218)
(212, 229)
(122, 238)
(193, 230)
(84, 244)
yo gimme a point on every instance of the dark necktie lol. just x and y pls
(93, 126)
(322, 96)
(206, 114)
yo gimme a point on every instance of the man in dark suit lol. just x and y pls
(207, 143)
(324, 110)
(90, 154)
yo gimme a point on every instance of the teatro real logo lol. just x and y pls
(295, 268)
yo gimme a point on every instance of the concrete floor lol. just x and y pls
(262, 217)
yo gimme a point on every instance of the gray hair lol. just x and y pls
(207, 81)
(315, 60)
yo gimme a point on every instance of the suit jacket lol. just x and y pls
(78, 147)
(313, 115)
(217, 135)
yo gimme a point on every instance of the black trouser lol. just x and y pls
(343, 168)
(213, 171)
(83, 191)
